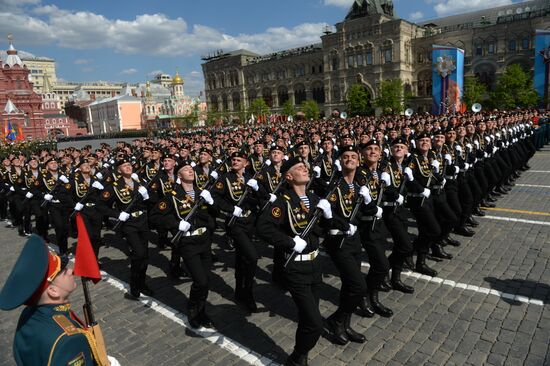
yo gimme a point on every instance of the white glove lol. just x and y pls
(184, 226)
(98, 185)
(443, 182)
(285, 157)
(488, 139)
(12, 189)
(135, 177)
(364, 191)
(106, 165)
(469, 147)
(385, 177)
(338, 165)
(409, 173)
(214, 174)
(457, 169)
(485, 155)
(267, 162)
(29, 195)
(124, 216)
(352, 230)
(207, 197)
(321, 150)
(272, 198)
(497, 134)
(143, 191)
(317, 171)
(99, 176)
(448, 159)
(253, 183)
(178, 181)
(47, 197)
(387, 152)
(325, 206)
(400, 200)
(78, 207)
(476, 143)
(435, 164)
(458, 149)
(379, 212)
(495, 149)
(113, 361)
(492, 137)
(237, 211)
(299, 244)
(63, 179)
(219, 161)
(413, 144)
(426, 193)
(466, 166)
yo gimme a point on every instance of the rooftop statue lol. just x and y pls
(363, 8)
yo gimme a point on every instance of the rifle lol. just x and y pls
(135, 199)
(243, 196)
(314, 163)
(403, 179)
(354, 213)
(199, 202)
(87, 194)
(275, 191)
(56, 185)
(378, 201)
(316, 216)
(93, 325)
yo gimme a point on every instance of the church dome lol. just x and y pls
(177, 79)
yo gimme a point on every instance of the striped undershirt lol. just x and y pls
(191, 193)
(305, 200)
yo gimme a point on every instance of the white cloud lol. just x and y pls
(155, 73)
(417, 15)
(16, 5)
(450, 7)
(128, 71)
(340, 3)
(87, 69)
(81, 61)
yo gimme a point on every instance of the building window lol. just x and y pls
(479, 50)
(335, 63)
(350, 61)
(512, 45)
(369, 57)
(360, 60)
(491, 48)
(320, 68)
(525, 43)
(388, 55)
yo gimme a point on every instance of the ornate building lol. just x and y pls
(370, 45)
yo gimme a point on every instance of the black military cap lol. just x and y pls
(400, 140)
(288, 164)
(326, 138)
(205, 150)
(122, 160)
(346, 136)
(170, 156)
(239, 154)
(439, 131)
(351, 148)
(277, 148)
(423, 135)
(301, 143)
(369, 143)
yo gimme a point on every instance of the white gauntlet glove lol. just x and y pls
(352, 230)
(409, 173)
(113, 361)
(207, 197)
(299, 244)
(267, 162)
(237, 211)
(443, 182)
(29, 195)
(98, 185)
(78, 207)
(184, 226)
(426, 193)
(135, 177)
(124, 216)
(63, 179)
(325, 206)
(385, 177)
(469, 147)
(272, 198)
(379, 212)
(400, 200)
(214, 174)
(48, 197)
(458, 149)
(435, 165)
(317, 171)
(143, 191)
(99, 176)
(253, 183)
(457, 169)
(476, 143)
(364, 191)
(448, 159)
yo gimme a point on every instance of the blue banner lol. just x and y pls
(11, 132)
(447, 79)
(542, 63)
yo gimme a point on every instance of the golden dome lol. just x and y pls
(177, 79)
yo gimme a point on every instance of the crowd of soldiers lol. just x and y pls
(334, 186)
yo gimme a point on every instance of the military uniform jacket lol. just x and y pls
(162, 186)
(201, 176)
(80, 188)
(269, 178)
(17, 181)
(422, 171)
(255, 163)
(288, 217)
(365, 177)
(62, 194)
(51, 335)
(33, 181)
(121, 195)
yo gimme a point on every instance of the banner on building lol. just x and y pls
(542, 64)
(447, 79)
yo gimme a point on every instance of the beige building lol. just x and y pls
(370, 45)
(122, 112)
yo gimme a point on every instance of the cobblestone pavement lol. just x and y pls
(488, 305)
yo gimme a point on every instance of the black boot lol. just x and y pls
(366, 309)
(385, 285)
(472, 222)
(450, 241)
(353, 336)
(336, 325)
(204, 319)
(422, 267)
(439, 252)
(296, 359)
(397, 284)
(377, 306)
(193, 315)
(464, 231)
(479, 212)
(409, 263)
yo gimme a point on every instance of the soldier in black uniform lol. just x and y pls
(127, 189)
(4, 188)
(257, 158)
(281, 227)
(196, 237)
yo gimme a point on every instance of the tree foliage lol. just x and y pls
(358, 101)
(514, 89)
(390, 96)
(474, 91)
(258, 107)
(310, 109)
(288, 109)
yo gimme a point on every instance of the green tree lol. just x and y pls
(390, 96)
(474, 90)
(514, 89)
(258, 107)
(358, 101)
(310, 109)
(288, 109)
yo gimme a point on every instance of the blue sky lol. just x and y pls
(122, 40)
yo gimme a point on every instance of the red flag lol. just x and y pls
(20, 136)
(85, 262)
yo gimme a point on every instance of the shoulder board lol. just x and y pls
(64, 323)
(287, 197)
(115, 184)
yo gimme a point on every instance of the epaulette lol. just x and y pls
(115, 184)
(64, 323)
(287, 197)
